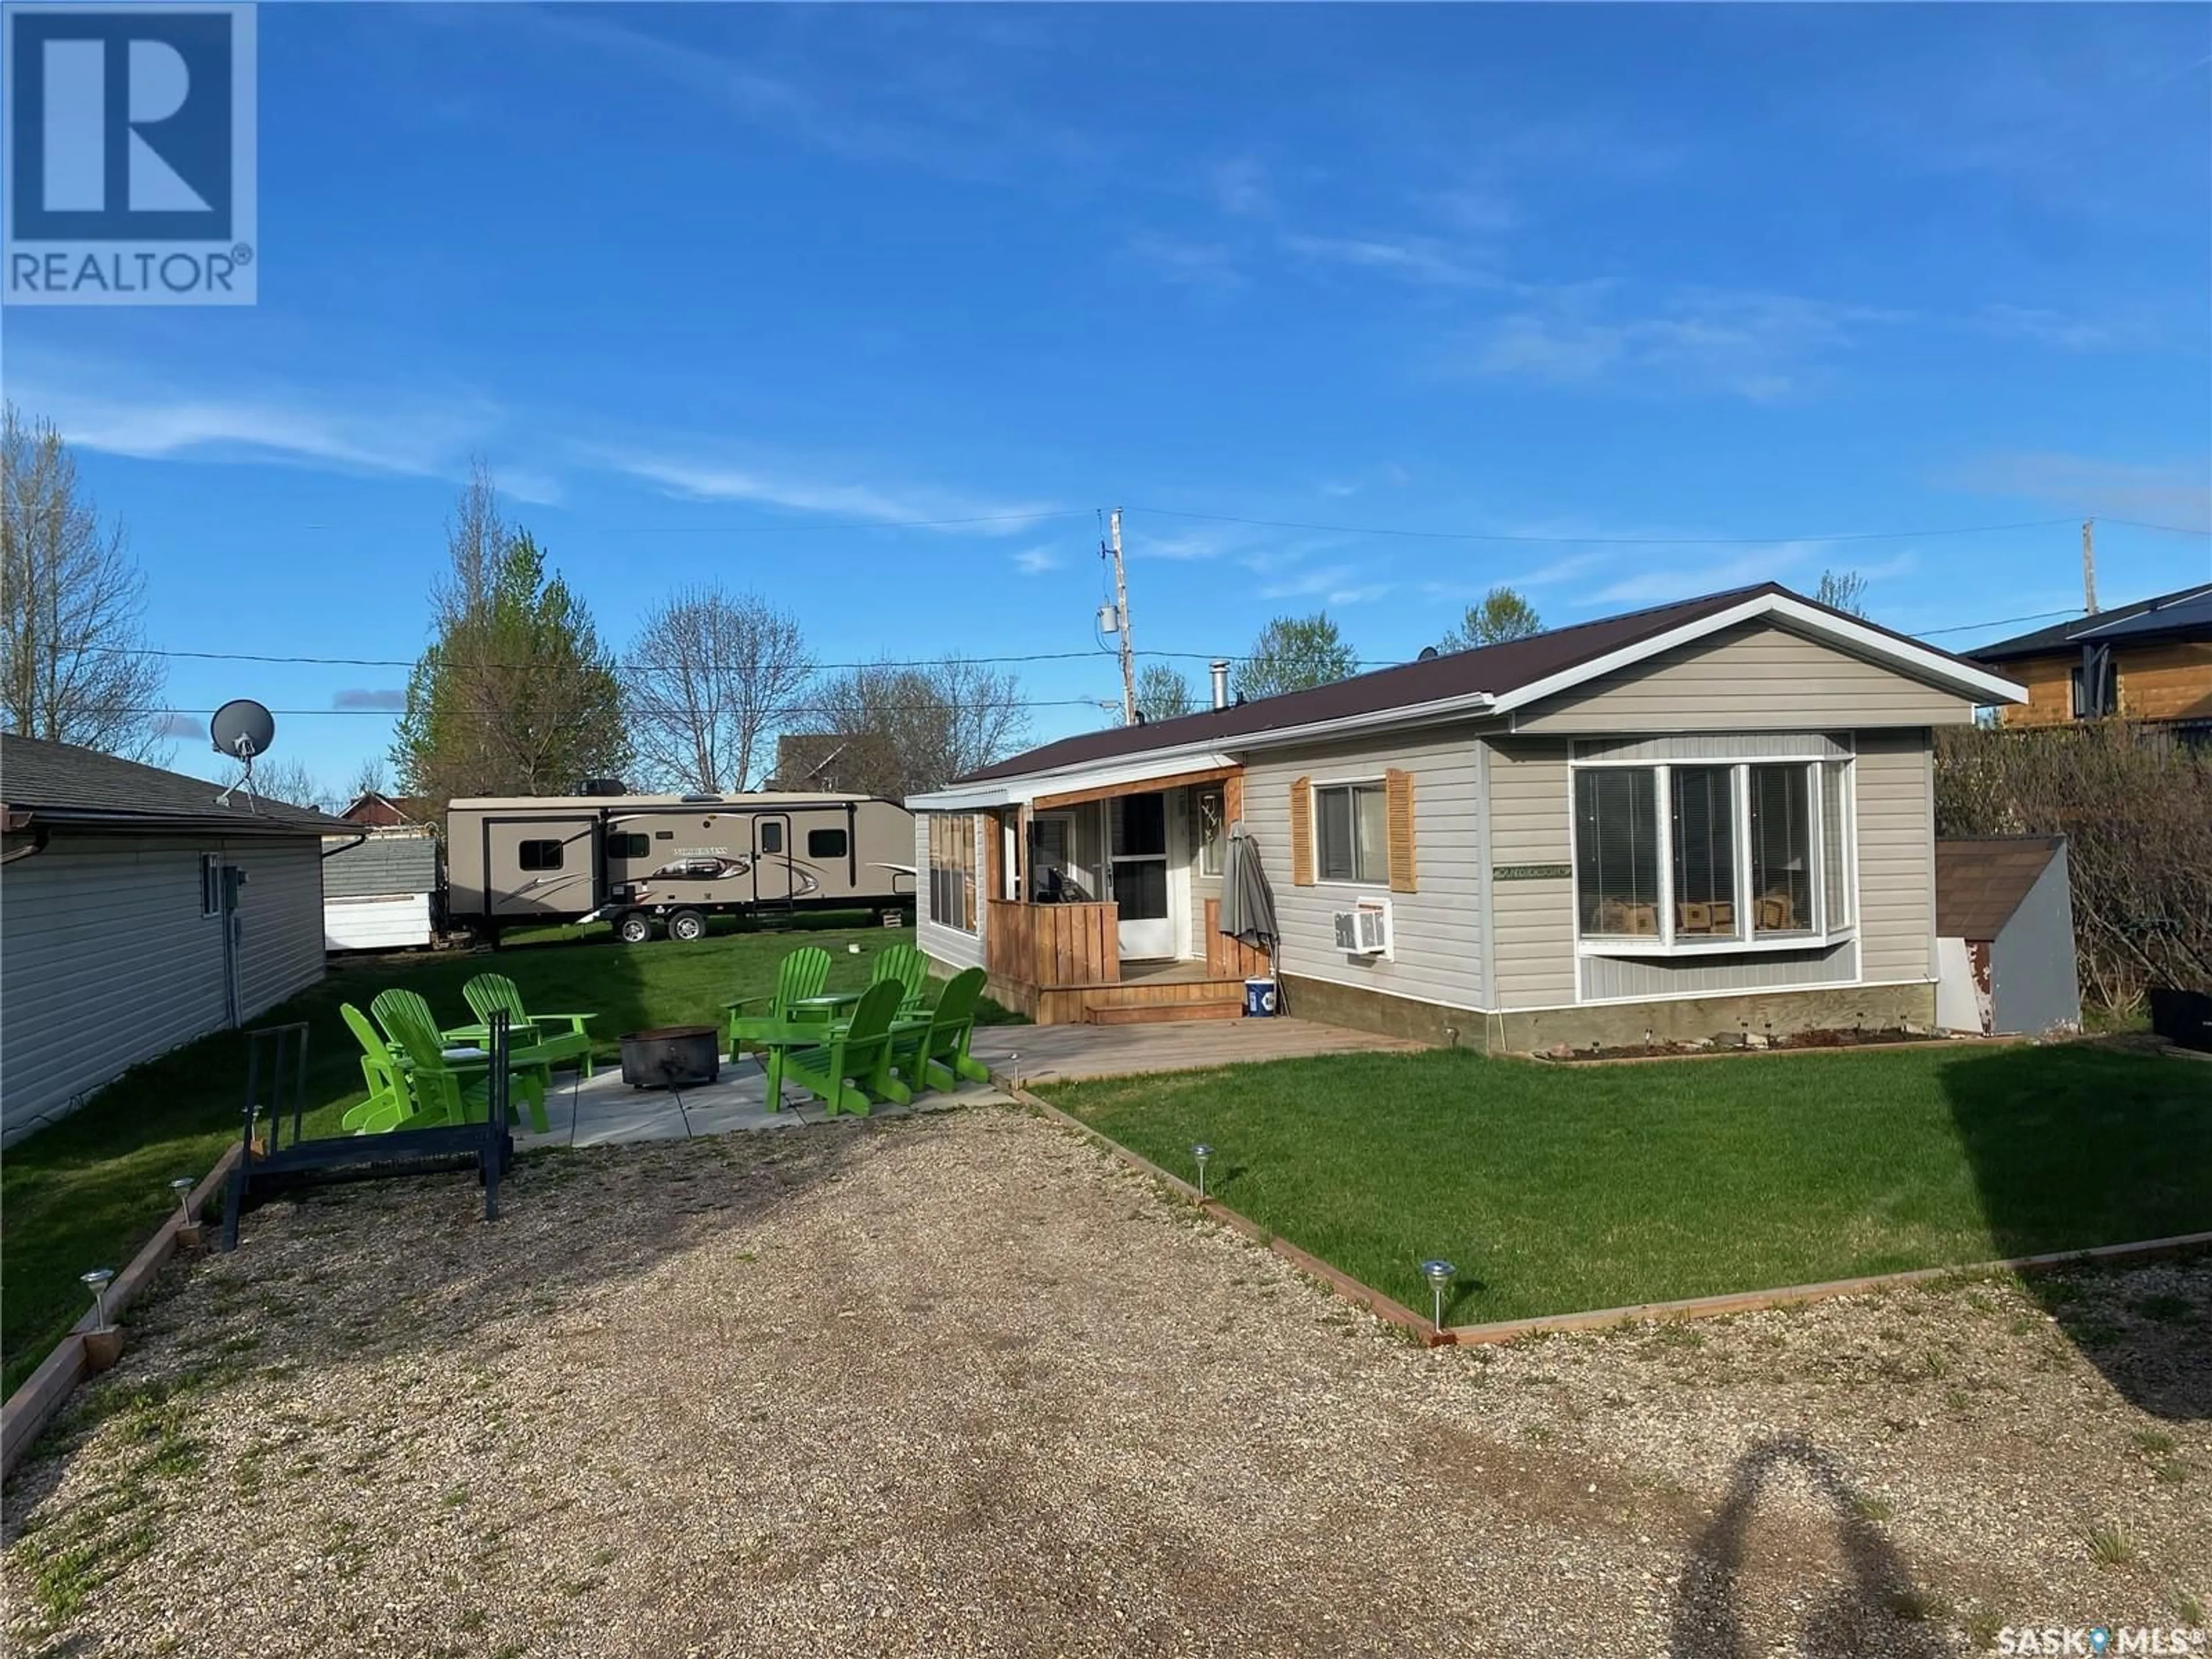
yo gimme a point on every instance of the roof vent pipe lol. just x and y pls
(1221, 682)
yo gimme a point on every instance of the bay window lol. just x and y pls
(1702, 857)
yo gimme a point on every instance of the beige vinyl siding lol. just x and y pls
(107, 961)
(1897, 856)
(1617, 978)
(1751, 676)
(1532, 922)
(1436, 932)
(953, 946)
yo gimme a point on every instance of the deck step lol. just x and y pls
(1154, 1012)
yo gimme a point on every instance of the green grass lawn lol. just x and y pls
(1558, 1190)
(88, 1191)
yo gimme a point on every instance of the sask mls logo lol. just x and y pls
(129, 155)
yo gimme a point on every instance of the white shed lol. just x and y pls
(137, 913)
(2004, 936)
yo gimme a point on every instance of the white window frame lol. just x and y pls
(1377, 783)
(1216, 849)
(1751, 942)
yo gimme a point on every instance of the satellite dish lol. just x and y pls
(241, 729)
(1428, 654)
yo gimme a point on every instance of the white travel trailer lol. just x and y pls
(642, 861)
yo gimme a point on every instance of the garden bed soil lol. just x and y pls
(1737, 1042)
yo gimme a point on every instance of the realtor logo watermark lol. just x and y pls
(130, 161)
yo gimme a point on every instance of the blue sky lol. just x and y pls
(742, 293)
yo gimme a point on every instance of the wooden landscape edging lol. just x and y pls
(32, 1406)
(1972, 1040)
(1512, 1330)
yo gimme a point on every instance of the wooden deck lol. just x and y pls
(1061, 964)
(1037, 1054)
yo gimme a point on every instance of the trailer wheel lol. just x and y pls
(687, 925)
(634, 928)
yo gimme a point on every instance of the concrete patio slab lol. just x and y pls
(605, 1111)
(1037, 1054)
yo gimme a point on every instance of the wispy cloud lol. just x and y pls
(369, 698)
(1657, 586)
(1538, 578)
(1199, 264)
(1239, 185)
(1035, 561)
(179, 725)
(2177, 492)
(1761, 347)
(2066, 332)
(1421, 259)
(1332, 584)
(716, 481)
(1388, 473)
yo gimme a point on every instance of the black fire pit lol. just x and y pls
(672, 1057)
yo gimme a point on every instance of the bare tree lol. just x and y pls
(289, 780)
(368, 779)
(910, 728)
(1163, 692)
(711, 678)
(1842, 590)
(72, 662)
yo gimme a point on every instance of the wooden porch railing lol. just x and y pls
(1053, 944)
(1231, 959)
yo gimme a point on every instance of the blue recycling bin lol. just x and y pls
(1259, 999)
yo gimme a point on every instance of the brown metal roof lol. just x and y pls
(1980, 883)
(1493, 668)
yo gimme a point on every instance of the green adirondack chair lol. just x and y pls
(802, 973)
(853, 1069)
(906, 964)
(532, 1036)
(935, 1056)
(389, 1106)
(445, 1092)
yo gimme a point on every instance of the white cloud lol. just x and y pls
(1415, 258)
(1769, 563)
(714, 481)
(1334, 584)
(2176, 493)
(1239, 185)
(1035, 561)
(1199, 264)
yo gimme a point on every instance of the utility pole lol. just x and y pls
(2088, 563)
(1121, 618)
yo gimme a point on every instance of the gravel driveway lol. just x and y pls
(961, 1385)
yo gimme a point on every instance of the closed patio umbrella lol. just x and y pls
(1248, 909)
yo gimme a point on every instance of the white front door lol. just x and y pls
(1137, 827)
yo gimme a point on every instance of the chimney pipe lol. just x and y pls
(1221, 682)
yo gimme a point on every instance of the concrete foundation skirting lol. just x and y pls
(32, 1406)
(1393, 1312)
(1613, 1025)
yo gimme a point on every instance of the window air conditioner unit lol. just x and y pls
(1363, 930)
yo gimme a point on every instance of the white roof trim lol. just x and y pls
(1918, 661)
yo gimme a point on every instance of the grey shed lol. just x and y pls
(2004, 936)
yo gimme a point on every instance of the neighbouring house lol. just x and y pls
(380, 888)
(137, 912)
(378, 810)
(1701, 818)
(2150, 661)
(2004, 936)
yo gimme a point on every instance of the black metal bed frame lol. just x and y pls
(277, 1060)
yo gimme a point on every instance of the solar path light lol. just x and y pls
(1199, 1153)
(1439, 1274)
(182, 1186)
(97, 1282)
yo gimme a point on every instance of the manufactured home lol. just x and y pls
(647, 861)
(1705, 818)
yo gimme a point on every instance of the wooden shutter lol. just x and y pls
(1232, 800)
(1302, 859)
(1398, 800)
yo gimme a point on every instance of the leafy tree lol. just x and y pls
(711, 677)
(1503, 615)
(1843, 590)
(909, 728)
(515, 694)
(1162, 693)
(1292, 655)
(72, 662)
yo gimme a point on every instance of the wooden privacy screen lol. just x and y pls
(1052, 945)
(1398, 800)
(1231, 958)
(1302, 851)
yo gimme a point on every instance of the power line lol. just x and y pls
(2167, 529)
(2000, 621)
(784, 529)
(1614, 541)
(410, 662)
